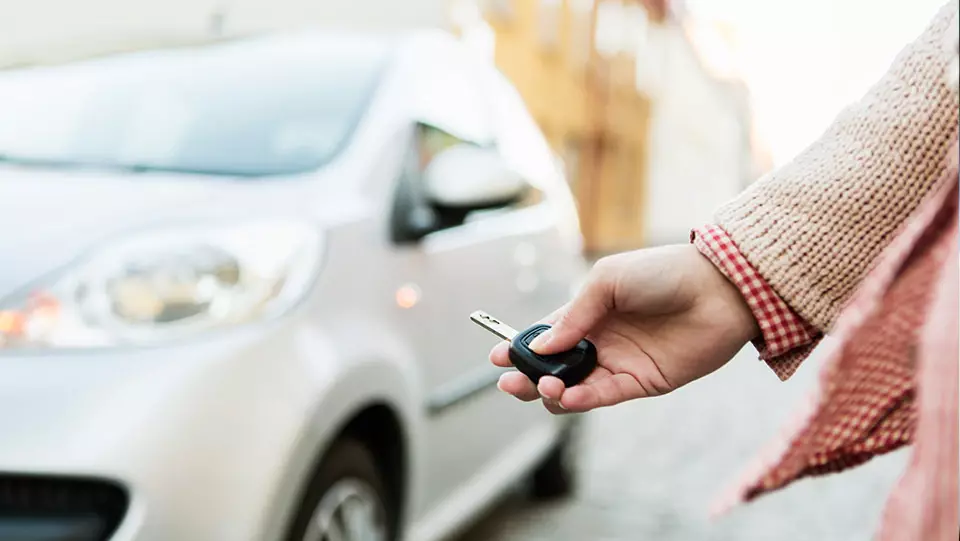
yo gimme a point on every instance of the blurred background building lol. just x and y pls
(625, 90)
(625, 98)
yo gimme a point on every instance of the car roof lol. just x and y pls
(423, 44)
(389, 45)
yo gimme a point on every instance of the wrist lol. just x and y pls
(726, 299)
(781, 330)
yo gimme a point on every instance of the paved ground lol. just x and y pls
(652, 469)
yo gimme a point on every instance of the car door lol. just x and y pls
(512, 261)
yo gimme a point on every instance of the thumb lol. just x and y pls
(579, 317)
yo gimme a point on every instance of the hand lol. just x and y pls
(660, 318)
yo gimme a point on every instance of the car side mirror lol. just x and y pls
(469, 177)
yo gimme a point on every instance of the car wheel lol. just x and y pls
(346, 500)
(558, 475)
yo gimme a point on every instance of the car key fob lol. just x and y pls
(571, 366)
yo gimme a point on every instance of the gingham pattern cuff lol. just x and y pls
(786, 338)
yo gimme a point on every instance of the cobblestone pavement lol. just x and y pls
(652, 468)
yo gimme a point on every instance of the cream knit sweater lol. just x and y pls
(814, 227)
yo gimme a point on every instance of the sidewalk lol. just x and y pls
(653, 468)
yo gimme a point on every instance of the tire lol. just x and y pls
(557, 476)
(348, 473)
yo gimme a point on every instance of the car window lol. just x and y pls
(468, 101)
(431, 141)
(468, 108)
(257, 107)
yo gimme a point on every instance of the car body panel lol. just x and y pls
(215, 437)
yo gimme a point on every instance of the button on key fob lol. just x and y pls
(571, 366)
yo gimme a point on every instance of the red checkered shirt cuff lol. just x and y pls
(785, 339)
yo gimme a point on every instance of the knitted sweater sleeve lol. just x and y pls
(814, 227)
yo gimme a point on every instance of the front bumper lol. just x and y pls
(197, 438)
(44, 508)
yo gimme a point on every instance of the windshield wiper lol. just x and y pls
(144, 168)
(28, 161)
(69, 164)
(127, 167)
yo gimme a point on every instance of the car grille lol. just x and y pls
(45, 508)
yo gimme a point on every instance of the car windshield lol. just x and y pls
(263, 106)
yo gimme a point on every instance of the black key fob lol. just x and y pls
(571, 366)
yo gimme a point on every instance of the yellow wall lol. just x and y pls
(617, 211)
(544, 75)
(587, 106)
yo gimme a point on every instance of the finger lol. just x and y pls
(599, 374)
(551, 388)
(552, 317)
(500, 355)
(551, 392)
(580, 316)
(554, 407)
(519, 386)
(602, 392)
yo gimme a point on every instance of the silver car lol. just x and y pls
(235, 288)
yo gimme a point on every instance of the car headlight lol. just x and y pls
(166, 284)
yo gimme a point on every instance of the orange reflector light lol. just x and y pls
(12, 323)
(408, 296)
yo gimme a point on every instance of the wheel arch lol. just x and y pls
(378, 426)
(375, 400)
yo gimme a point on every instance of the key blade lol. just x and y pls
(493, 325)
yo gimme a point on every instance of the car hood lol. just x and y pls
(85, 410)
(67, 400)
(49, 217)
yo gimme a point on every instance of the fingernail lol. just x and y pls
(551, 402)
(540, 341)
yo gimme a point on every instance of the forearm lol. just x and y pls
(813, 228)
(785, 339)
